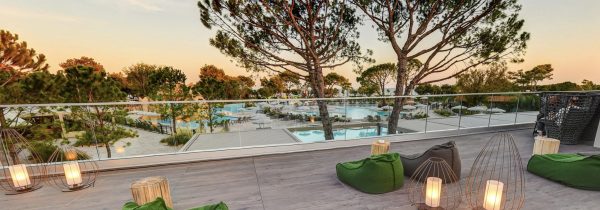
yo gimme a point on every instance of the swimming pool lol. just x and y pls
(352, 111)
(338, 134)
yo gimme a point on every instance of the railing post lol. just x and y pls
(459, 112)
(426, 113)
(517, 108)
(491, 107)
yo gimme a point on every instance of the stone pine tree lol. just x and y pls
(86, 84)
(82, 61)
(138, 79)
(379, 75)
(169, 84)
(302, 37)
(531, 78)
(16, 61)
(449, 37)
(214, 84)
(334, 79)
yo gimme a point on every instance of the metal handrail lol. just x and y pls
(261, 100)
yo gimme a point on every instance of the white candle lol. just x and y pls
(433, 191)
(493, 195)
(72, 173)
(19, 175)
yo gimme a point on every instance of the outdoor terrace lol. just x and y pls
(302, 180)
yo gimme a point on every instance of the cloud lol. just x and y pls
(30, 14)
(145, 5)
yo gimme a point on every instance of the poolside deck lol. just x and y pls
(304, 180)
(238, 139)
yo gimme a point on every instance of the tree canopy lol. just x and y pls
(378, 76)
(444, 35)
(138, 79)
(301, 37)
(16, 59)
(82, 61)
(531, 78)
(271, 86)
(333, 80)
(88, 84)
(491, 79)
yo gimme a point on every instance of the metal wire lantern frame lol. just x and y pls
(451, 189)
(499, 160)
(15, 150)
(88, 169)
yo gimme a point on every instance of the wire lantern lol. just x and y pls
(434, 186)
(22, 168)
(496, 180)
(70, 169)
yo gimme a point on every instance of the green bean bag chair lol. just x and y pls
(373, 175)
(159, 204)
(573, 170)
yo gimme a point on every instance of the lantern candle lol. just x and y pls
(493, 195)
(72, 173)
(20, 176)
(433, 191)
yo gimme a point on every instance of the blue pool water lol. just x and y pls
(352, 111)
(360, 112)
(338, 134)
(233, 107)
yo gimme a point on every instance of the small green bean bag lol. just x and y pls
(159, 204)
(373, 175)
(573, 170)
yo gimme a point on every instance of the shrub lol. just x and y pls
(420, 115)
(443, 112)
(45, 149)
(180, 138)
(463, 112)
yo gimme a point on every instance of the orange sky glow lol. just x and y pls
(119, 33)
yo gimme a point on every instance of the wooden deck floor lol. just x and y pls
(291, 181)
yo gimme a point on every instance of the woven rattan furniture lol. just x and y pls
(564, 116)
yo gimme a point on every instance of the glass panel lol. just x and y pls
(503, 110)
(529, 107)
(445, 113)
(116, 131)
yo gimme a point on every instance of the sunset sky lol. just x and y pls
(118, 33)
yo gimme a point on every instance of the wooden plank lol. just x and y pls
(304, 180)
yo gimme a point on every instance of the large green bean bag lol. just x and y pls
(374, 175)
(573, 170)
(159, 204)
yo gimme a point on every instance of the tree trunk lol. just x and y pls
(398, 101)
(173, 120)
(3, 123)
(108, 153)
(318, 86)
(210, 118)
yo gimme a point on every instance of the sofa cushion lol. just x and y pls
(376, 174)
(569, 169)
(159, 204)
(446, 151)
